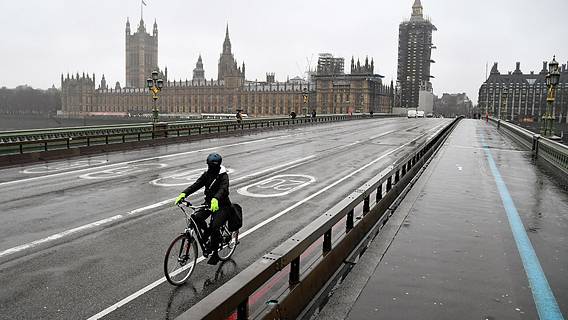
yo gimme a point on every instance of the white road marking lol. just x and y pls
(141, 160)
(183, 178)
(241, 236)
(284, 184)
(35, 243)
(129, 169)
(62, 166)
(59, 235)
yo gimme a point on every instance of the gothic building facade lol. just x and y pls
(414, 57)
(521, 97)
(361, 90)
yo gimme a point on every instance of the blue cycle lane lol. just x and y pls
(482, 235)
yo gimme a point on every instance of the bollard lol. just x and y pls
(498, 123)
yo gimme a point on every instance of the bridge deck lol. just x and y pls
(454, 249)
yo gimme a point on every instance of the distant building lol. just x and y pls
(451, 105)
(360, 91)
(414, 57)
(141, 54)
(329, 91)
(521, 97)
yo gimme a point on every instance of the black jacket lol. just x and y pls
(216, 186)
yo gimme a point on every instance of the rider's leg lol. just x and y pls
(201, 221)
(218, 219)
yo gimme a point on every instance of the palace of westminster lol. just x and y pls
(329, 90)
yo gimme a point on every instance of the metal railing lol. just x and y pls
(554, 153)
(28, 141)
(337, 232)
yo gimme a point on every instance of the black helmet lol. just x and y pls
(214, 159)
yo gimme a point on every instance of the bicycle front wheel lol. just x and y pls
(228, 245)
(180, 260)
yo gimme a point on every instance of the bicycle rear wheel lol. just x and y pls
(180, 260)
(228, 244)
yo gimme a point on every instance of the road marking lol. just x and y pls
(59, 235)
(62, 166)
(543, 296)
(284, 184)
(184, 178)
(141, 160)
(129, 169)
(98, 223)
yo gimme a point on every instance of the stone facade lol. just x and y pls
(362, 90)
(414, 57)
(521, 97)
(141, 54)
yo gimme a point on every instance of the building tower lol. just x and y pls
(414, 57)
(198, 72)
(228, 70)
(141, 54)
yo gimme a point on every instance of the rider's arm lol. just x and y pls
(223, 190)
(198, 184)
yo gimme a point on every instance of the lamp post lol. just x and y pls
(305, 99)
(552, 79)
(155, 85)
(503, 108)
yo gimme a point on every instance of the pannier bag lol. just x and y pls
(235, 220)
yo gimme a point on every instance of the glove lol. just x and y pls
(180, 198)
(214, 205)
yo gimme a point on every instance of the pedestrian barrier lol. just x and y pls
(554, 153)
(374, 200)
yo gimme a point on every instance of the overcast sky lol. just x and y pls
(42, 39)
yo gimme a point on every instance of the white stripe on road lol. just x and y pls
(244, 234)
(59, 235)
(133, 212)
(139, 160)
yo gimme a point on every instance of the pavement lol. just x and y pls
(481, 235)
(85, 237)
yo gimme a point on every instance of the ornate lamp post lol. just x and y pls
(552, 79)
(503, 107)
(305, 99)
(155, 85)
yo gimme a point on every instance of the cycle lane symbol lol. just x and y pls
(129, 169)
(63, 166)
(277, 186)
(183, 178)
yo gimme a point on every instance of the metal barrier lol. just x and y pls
(28, 141)
(554, 153)
(233, 297)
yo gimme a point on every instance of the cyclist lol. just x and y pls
(216, 182)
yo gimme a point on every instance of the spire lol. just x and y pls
(127, 25)
(155, 30)
(227, 42)
(416, 11)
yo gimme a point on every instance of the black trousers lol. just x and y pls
(218, 219)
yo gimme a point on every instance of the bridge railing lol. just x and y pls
(554, 153)
(28, 141)
(336, 234)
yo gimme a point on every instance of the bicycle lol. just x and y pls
(181, 256)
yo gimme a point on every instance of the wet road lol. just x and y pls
(456, 245)
(86, 237)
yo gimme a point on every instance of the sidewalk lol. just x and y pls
(452, 249)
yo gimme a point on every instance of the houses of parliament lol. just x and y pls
(329, 90)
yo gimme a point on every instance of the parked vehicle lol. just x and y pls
(411, 113)
(420, 114)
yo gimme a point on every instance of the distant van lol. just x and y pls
(420, 113)
(411, 113)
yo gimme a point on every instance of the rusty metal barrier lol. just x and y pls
(288, 303)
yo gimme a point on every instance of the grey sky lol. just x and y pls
(43, 39)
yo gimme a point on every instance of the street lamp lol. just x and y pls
(305, 99)
(552, 79)
(155, 85)
(503, 108)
